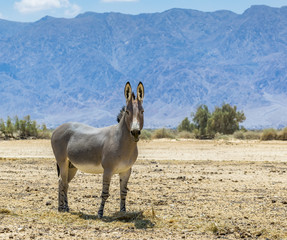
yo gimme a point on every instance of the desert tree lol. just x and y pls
(9, 127)
(185, 125)
(200, 119)
(2, 126)
(225, 120)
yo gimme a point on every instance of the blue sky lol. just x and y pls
(33, 10)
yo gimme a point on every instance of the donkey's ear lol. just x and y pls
(128, 92)
(140, 91)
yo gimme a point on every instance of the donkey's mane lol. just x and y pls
(121, 114)
(123, 109)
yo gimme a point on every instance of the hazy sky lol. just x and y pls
(33, 10)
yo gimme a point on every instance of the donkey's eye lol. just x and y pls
(128, 113)
(142, 111)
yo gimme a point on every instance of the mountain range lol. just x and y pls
(60, 70)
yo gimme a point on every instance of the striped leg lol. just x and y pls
(62, 197)
(63, 171)
(124, 178)
(67, 172)
(105, 192)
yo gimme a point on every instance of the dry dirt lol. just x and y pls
(178, 190)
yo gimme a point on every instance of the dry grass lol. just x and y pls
(178, 189)
(4, 211)
(185, 135)
(269, 134)
(282, 135)
(162, 133)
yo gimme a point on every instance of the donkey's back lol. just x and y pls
(80, 144)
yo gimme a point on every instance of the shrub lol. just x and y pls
(239, 135)
(162, 133)
(145, 134)
(220, 136)
(269, 134)
(283, 134)
(252, 135)
(186, 135)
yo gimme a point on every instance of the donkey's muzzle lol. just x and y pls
(136, 133)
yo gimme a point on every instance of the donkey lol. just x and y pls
(110, 150)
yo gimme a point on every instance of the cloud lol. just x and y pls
(29, 6)
(73, 10)
(108, 1)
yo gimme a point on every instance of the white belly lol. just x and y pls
(90, 168)
(96, 169)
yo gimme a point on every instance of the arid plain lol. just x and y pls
(179, 189)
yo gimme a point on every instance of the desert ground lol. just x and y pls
(179, 189)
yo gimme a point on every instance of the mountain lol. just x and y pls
(60, 70)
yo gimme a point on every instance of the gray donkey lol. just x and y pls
(108, 150)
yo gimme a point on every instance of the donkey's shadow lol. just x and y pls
(139, 220)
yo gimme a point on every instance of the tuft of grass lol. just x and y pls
(269, 134)
(219, 229)
(5, 211)
(213, 228)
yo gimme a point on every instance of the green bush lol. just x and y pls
(269, 134)
(162, 133)
(283, 134)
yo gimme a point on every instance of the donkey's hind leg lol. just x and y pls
(72, 172)
(63, 187)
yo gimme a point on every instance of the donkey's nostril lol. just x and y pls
(135, 133)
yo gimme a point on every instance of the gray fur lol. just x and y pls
(110, 150)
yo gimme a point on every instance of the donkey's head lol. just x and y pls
(134, 118)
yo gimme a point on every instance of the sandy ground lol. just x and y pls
(183, 189)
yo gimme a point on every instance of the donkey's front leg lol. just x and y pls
(124, 178)
(105, 192)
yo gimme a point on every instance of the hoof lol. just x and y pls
(62, 209)
(100, 214)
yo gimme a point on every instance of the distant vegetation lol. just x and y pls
(206, 125)
(16, 128)
(223, 123)
(243, 134)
